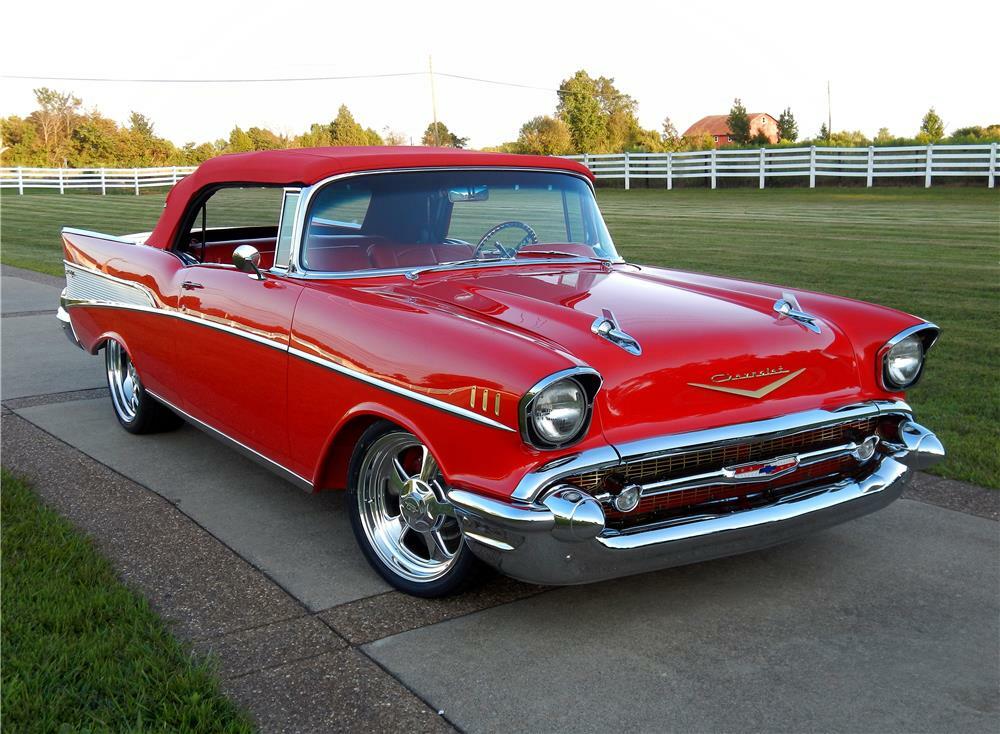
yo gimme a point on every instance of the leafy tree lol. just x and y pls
(345, 130)
(931, 127)
(788, 129)
(544, 135)
(318, 136)
(883, 137)
(444, 138)
(263, 139)
(393, 137)
(239, 141)
(582, 112)
(140, 125)
(824, 132)
(739, 122)
(759, 138)
(55, 118)
(372, 137)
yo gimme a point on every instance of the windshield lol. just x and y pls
(420, 219)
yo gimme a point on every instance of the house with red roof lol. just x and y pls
(718, 128)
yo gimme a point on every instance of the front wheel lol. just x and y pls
(136, 409)
(401, 517)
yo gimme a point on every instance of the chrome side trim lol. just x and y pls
(250, 453)
(273, 344)
(85, 284)
(69, 303)
(398, 389)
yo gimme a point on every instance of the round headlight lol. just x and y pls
(559, 411)
(903, 362)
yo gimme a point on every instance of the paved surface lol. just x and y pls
(889, 623)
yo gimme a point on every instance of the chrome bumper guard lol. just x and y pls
(562, 539)
(62, 315)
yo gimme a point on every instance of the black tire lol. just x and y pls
(444, 574)
(136, 410)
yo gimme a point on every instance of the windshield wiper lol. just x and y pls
(562, 253)
(415, 272)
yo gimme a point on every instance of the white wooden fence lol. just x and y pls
(919, 161)
(916, 161)
(96, 179)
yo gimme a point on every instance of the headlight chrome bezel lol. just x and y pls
(588, 380)
(927, 334)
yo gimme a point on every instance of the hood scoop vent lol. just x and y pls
(606, 327)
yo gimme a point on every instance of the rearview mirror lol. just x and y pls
(247, 259)
(468, 193)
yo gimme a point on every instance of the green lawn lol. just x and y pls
(932, 252)
(81, 652)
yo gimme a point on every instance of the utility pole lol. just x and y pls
(434, 106)
(829, 110)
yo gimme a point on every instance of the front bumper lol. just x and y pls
(561, 539)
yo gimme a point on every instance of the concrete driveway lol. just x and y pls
(889, 623)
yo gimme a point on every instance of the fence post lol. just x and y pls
(928, 165)
(627, 171)
(20, 177)
(871, 164)
(812, 166)
(993, 165)
(670, 168)
(762, 168)
(62, 189)
(173, 175)
(135, 172)
(586, 160)
(104, 185)
(713, 168)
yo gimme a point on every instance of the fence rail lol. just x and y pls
(101, 179)
(910, 161)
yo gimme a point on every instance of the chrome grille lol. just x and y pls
(695, 461)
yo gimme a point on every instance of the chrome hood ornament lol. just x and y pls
(606, 327)
(788, 307)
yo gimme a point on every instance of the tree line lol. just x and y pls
(591, 116)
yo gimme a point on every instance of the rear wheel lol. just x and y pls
(401, 517)
(136, 409)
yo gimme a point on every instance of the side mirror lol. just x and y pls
(246, 258)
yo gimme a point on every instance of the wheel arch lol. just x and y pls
(331, 472)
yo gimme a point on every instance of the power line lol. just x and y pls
(269, 80)
(209, 81)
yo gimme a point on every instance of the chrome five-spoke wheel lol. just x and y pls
(123, 382)
(401, 515)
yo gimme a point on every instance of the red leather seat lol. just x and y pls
(390, 255)
(337, 253)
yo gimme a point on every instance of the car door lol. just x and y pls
(233, 345)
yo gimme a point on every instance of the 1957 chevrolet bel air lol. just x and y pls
(453, 339)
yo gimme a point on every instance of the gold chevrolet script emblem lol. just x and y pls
(719, 382)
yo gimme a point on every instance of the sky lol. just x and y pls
(886, 62)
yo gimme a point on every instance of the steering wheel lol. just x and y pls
(530, 238)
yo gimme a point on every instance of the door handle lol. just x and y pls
(190, 285)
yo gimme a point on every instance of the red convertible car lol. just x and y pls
(453, 339)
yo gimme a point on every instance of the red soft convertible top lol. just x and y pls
(304, 166)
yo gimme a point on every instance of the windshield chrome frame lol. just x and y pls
(295, 269)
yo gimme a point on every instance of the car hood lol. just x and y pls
(711, 354)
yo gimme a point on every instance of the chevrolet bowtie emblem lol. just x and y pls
(759, 392)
